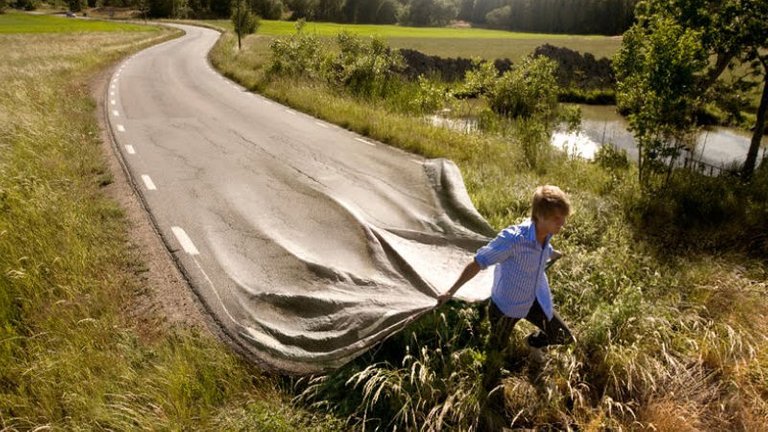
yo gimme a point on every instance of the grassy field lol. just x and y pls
(671, 336)
(71, 356)
(17, 22)
(448, 42)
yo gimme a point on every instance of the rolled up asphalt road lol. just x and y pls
(307, 243)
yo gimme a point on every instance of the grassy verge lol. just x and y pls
(70, 358)
(669, 338)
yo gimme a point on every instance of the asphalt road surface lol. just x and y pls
(306, 242)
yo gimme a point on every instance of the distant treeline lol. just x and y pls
(610, 17)
(582, 78)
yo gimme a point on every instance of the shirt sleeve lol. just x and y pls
(499, 249)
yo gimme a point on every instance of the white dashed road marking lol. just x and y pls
(130, 149)
(365, 142)
(148, 182)
(120, 128)
(115, 113)
(185, 241)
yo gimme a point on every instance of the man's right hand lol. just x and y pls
(443, 298)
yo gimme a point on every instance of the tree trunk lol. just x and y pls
(757, 136)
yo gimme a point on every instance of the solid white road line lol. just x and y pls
(290, 112)
(416, 161)
(148, 182)
(185, 241)
(130, 149)
(321, 125)
(120, 128)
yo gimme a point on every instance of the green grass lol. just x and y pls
(17, 22)
(668, 333)
(75, 354)
(448, 42)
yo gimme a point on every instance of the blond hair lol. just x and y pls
(548, 200)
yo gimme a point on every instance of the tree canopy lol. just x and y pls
(682, 54)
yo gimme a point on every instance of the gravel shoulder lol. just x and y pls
(164, 298)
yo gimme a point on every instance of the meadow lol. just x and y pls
(73, 355)
(446, 42)
(19, 23)
(667, 306)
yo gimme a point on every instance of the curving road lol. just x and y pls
(307, 243)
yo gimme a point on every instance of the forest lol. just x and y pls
(608, 17)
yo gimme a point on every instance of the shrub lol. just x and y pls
(611, 157)
(431, 95)
(365, 68)
(528, 89)
(301, 55)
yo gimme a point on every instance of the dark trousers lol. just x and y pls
(551, 332)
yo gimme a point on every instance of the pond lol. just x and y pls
(716, 147)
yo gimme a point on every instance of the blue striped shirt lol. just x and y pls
(519, 276)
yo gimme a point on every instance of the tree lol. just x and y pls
(3, 5)
(143, 7)
(181, 9)
(244, 21)
(328, 10)
(77, 5)
(301, 9)
(656, 71)
(429, 12)
(733, 34)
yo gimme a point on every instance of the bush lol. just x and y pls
(301, 55)
(611, 157)
(365, 68)
(528, 89)
(431, 96)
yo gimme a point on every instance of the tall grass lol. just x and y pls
(70, 357)
(669, 338)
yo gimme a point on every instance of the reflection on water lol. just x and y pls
(465, 125)
(602, 124)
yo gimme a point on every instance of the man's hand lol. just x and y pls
(469, 272)
(443, 298)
